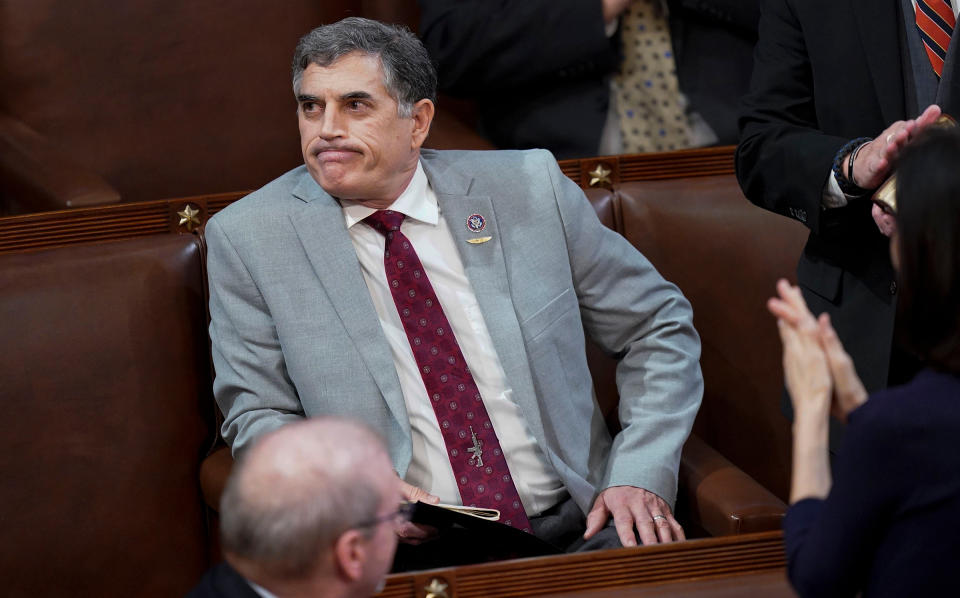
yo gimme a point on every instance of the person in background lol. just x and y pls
(551, 74)
(311, 509)
(888, 524)
(838, 89)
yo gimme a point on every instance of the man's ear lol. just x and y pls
(423, 112)
(350, 554)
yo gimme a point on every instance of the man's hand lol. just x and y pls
(634, 507)
(876, 160)
(414, 533)
(885, 221)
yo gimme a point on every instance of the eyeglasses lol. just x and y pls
(399, 517)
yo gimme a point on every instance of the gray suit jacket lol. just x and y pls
(295, 333)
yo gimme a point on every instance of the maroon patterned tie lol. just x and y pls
(483, 477)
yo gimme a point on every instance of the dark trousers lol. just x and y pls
(563, 526)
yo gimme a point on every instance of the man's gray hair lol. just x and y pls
(408, 74)
(285, 522)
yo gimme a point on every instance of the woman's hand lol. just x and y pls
(805, 365)
(848, 390)
(809, 382)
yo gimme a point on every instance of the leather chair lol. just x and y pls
(106, 391)
(726, 255)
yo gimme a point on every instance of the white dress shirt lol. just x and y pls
(260, 590)
(537, 482)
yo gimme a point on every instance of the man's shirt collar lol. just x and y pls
(415, 202)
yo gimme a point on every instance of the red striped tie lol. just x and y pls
(935, 20)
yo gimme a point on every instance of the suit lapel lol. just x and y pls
(878, 23)
(948, 95)
(323, 233)
(486, 269)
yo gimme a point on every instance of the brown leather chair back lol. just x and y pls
(725, 255)
(168, 98)
(163, 98)
(106, 395)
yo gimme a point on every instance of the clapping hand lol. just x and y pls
(818, 371)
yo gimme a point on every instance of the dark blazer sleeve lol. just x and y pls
(818, 82)
(480, 46)
(784, 158)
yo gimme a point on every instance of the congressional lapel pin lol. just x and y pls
(475, 224)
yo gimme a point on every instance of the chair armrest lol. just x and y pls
(214, 471)
(35, 176)
(720, 497)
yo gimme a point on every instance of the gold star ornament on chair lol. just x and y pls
(600, 176)
(188, 217)
(436, 589)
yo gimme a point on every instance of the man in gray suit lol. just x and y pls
(335, 290)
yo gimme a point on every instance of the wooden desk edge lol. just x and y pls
(694, 559)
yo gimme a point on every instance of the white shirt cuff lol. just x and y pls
(832, 196)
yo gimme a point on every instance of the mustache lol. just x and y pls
(321, 146)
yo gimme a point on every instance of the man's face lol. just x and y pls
(354, 143)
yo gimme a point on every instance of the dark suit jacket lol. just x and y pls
(713, 43)
(540, 69)
(827, 71)
(222, 581)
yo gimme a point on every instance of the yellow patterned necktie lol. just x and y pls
(652, 118)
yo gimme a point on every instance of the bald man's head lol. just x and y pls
(298, 488)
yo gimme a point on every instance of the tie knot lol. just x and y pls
(385, 221)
